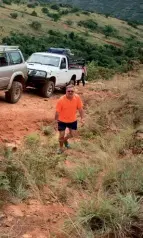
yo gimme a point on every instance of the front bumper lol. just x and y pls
(35, 80)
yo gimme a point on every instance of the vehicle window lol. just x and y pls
(63, 63)
(15, 57)
(44, 59)
(3, 60)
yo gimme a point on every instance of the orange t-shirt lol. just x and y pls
(67, 108)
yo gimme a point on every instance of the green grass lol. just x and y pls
(109, 216)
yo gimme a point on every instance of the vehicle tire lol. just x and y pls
(72, 81)
(47, 89)
(14, 93)
(63, 90)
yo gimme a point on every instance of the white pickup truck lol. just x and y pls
(47, 71)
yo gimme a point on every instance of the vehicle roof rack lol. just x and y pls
(8, 47)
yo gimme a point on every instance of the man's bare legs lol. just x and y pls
(61, 139)
(64, 139)
(71, 134)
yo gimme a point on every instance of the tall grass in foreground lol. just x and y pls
(103, 176)
(114, 216)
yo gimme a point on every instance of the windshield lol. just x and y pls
(44, 59)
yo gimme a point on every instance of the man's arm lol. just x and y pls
(56, 116)
(81, 113)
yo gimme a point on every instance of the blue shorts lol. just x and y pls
(63, 125)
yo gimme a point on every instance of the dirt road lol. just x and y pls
(33, 111)
(26, 116)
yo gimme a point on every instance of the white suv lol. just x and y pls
(13, 72)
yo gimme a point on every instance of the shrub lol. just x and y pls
(96, 72)
(109, 31)
(14, 15)
(69, 22)
(8, 2)
(86, 13)
(133, 24)
(125, 179)
(36, 25)
(74, 10)
(28, 168)
(64, 12)
(34, 13)
(4, 182)
(115, 216)
(45, 10)
(55, 7)
(47, 130)
(32, 139)
(90, 24)
(31, 5)
(54, 16)
(84, 175)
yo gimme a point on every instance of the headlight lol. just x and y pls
(40, 73)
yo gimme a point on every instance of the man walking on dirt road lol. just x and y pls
(65, 116)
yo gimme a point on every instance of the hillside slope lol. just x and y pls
(24, 18)
(126, 9)
(76, 194)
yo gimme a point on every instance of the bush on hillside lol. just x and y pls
(90, 24)
(66, 5)
(8, 2)
(133, 24)
(34, 14)
(109, 31)
(64, 12)
(69, 22)
(45, 10)
(86, 13)
(97, 72)
(74, 10)
(31, 5)
(14, 15)
(36, 25)
(55, 7)
(54, 16)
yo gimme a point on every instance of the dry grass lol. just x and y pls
(102, 173)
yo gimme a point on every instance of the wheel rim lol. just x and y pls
(17, 93)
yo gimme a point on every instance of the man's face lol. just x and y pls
(70, 92)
